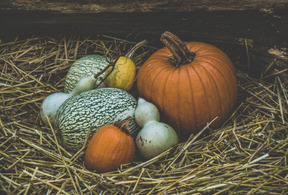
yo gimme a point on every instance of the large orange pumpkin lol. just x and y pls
(110, 147)
(191, 83)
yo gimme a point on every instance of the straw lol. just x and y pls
(247, 155)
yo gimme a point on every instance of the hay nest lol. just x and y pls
(248, 155)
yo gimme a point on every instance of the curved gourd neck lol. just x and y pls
(150, 122)
(84, 84)
(131, 52)
(148, 110)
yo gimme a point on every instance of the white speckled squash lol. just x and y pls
(96, 108)
(83, 67)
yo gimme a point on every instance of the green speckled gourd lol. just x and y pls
(83, 67)
(96, 108)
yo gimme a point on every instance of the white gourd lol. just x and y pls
(146, 112)
(52, 102)
(155, 137)
(84, 67)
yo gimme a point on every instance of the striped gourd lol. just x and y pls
(83, 67)
(96, 108)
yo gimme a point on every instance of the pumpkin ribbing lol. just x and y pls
(110, 147)
(191, 94)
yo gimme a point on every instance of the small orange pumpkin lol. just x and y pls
(110, 146)
(191, 83)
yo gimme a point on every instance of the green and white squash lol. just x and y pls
(94, 108)
(84, 67)
(52, 102)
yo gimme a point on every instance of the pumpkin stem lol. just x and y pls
(131, 52)
(181, 54)
(123, 125)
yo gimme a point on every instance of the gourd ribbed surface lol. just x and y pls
(85, 66)
(192, 95)
(94, 108)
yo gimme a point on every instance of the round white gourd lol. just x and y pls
(155, 137)
(83, 67)
(50, 106)
(52, 102)
(94, 108)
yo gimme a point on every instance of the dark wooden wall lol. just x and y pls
(234, 26)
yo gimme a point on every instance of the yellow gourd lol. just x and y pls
(122, 74)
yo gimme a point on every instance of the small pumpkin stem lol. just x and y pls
(181, 54)
(131, 52)
(124, 125)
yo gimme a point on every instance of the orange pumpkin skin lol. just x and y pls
(193, 94)
(108, 149)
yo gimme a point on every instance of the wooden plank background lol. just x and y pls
(233, 25)
(124, 6)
